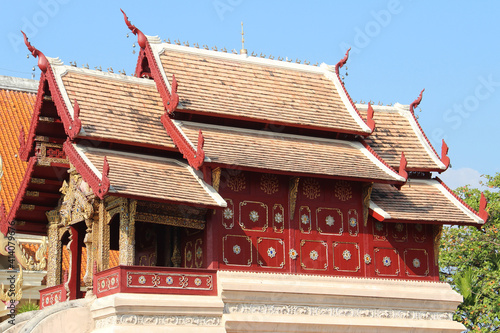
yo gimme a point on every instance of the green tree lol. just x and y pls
(470, 261)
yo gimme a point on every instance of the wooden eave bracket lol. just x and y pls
(100, 187)
(483, 214)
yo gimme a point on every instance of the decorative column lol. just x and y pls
(103, 250)
(87, 279)
(127, 231)
(176, 253)
(73, 283)
(54, 251)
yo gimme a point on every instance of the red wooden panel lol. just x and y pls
(253, 216)
(380, 231)
(346, 257)
(237, 250)
(386, 261)
(278, 218)
(271, 252)
(313, 255)
(399, 232)
(188, 255)
(353, 222)
(198, 253)
(419, 232)
(305, 219)
(227, 215)
(329, 221)
(416, 262)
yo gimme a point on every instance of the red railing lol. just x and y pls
(52, 295)
(155, 280)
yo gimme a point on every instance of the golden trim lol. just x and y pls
(170, 220)
(349, 222)
(426, 273)
(310, 220)
(216, 178)
(376, 250)
(343, 190)
(230, 205)
(282, 210)
(292, 195)
(356, 245)
(325, 244)
(242, 225)
(341, 229)
(366, 194)
(269, 183)
(311, 188)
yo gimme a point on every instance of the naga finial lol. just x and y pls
(342, 61)
(416, 102)
(141, 38)
(482, 208)
(43, 63)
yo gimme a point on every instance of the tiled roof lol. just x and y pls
(397, 131)
(137, 175)
(425, 200)
(239, 86)
(113, 106)
(16, 108)
(290, 153)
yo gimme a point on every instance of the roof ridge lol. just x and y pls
(18, 84)
(457, 197)
(155, 40)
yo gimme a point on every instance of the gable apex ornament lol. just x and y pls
(43, 63)
(416, 102)
(342, 61)
(141, 38)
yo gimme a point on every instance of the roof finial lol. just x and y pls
(243, 50)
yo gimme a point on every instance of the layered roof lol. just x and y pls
(17, 97)
(255, 89)
(420, 201)
(113, 107)
(397, 131)
(279, 152)
(146, 177)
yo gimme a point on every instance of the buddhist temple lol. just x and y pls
(224, 192)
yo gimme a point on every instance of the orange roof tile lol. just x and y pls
(287, 152)
(16, 108)
(397, 131)
(137, 175)
(424, 200)
(238, 86)
(113, 106)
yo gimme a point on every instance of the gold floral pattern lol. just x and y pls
(311, 188)
(343, 190)
(269, 183)
(237, 182)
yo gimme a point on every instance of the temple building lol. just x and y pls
(227, 192)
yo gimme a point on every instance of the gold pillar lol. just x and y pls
(54, 251)
(127, 231)
(103, 243)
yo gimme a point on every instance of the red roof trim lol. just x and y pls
(376, 215)
(27, 146)
(4, 223)
(444, 154)
(458, 198)
(369, 118)
(482, 208)
(412, 111)
(338, 66)
(100, 187)
(370, 149)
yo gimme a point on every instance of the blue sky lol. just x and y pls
(399, 47)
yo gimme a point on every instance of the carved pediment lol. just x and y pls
(78, 201)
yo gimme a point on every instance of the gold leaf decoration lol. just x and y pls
(269, 183)
(311, 188)
(343, 190)
(237, 182)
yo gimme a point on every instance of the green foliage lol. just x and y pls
(27, 307)
(470, 261)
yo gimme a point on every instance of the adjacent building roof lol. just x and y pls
(396, 131)
(113, 107)
(256, 89)
(422, 200)
(17, 97)
(140, 176)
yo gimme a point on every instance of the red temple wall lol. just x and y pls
(325, 236)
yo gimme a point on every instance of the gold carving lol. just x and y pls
(237, 182)
(311, 188)
(37, 181)
(171, 220)
(437, 231)
(7, 296)
(37, 264)
(32, 194)
(44, 159)
(367, 192)
(292, 194)
(216, 178)
(78, 200)
(343, 190)
(176, 255)
(269, 183)
(27, 207)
